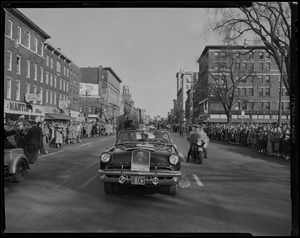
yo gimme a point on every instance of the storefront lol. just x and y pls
(18, 111)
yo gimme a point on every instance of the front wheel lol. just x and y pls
(21, 171)
(109, 188)
(172, 189)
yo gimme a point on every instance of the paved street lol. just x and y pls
(234, 190)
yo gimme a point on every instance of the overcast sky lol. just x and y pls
(146, 47)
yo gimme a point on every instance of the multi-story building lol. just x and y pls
(34, 67)
(257, 92)
(24, 63)
(184, 82)
(107, 102)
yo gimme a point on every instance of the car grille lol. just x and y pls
(128, 167)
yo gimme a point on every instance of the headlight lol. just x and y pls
(105, 157)
(174, 159)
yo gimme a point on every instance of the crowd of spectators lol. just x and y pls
(269, 139)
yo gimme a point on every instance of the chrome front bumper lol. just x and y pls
(151, 177)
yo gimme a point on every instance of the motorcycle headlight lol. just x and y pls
(105, 157)
(174, 159)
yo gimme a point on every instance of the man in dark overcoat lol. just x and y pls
(127, 120)
(33, 140)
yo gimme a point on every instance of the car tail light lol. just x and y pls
(174, 159)
(105, 157)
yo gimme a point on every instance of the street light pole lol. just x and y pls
(280, 90)
(86, 108)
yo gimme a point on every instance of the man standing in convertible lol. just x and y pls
(127, 120)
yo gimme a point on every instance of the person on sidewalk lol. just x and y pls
(33, 141)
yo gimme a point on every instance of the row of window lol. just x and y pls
(50, 96)
(27, 41)
(242, 66)
(261, 106)
(240, 55)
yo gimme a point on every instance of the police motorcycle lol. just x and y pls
(197, 150)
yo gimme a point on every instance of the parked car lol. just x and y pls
(146, 158)
(16, 164)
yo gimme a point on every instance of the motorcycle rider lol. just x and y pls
(196, 134)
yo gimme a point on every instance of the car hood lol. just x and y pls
(123, 155)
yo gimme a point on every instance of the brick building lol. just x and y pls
(258, 93)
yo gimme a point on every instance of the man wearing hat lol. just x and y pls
(127, 120)
(33, 140)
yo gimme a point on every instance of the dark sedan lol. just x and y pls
(145, 158)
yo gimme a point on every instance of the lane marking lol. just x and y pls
(75, 175)
(51, 153)
(90, 180)
(85, 144)
(197, 180)
(185, 182)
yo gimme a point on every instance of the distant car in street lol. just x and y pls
(15, 164)
(141, 158)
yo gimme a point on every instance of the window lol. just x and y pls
(42, 74)
(19, 35)
(28, 40)
(42, 49)
(244, 91)
(267, 78)
(35, 46)
(8, 88)
(260, 92)
(34, 90)
(60, 96)
(250, 65)
(251, 105)
(51, 97)
(51, 80)
(80, 109)
(261, 55)
(260, 79)
(216, 54)
(41, 96)
(250, 55)
(267, 55)
(27, 88)
(47, 77)
(244, 106)
(267, 105)
(67, 86)
(18, 65)
(9, 66)
(10, 28)
(251, 92)
(90, 109)
(60, 83)
(260, 65)
(287, 105)
(64, 70)
(222, 54)
(67, 72)
(238, 91)
(28, 69)
(260, 106)
(54, 98)
(18, 89)
(250, 78)
(243, 79)
(51, 63)
(55, 79)
(282, 106)
(244, 65)
(35, 72)
(237, 66)
(267, 65)
(47, 60)
(58, 67)
(238, 55)
(47, 96)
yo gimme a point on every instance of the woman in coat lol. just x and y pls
(277, 138)
(270, 141)
(58, 136)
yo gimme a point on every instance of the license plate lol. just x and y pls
(138, 180)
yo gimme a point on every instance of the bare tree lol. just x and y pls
(225, 80)
(269, 21)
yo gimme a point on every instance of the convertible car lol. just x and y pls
(146, 158)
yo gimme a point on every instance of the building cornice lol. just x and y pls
(113, 73)
(19, 15)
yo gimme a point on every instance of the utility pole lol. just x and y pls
(280, 89)
(87, 116)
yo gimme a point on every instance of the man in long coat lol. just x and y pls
(33, 140)
(127, 120)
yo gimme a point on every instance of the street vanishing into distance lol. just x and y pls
(235, 190)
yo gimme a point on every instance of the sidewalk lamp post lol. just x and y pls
(280, 87)
(86, 107)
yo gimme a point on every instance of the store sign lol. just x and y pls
(30, 97)
(63, 104)
(20, 108)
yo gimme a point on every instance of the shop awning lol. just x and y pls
(53, 116)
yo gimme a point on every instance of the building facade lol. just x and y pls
(257, 91)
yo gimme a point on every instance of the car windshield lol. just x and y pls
(128, 137)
